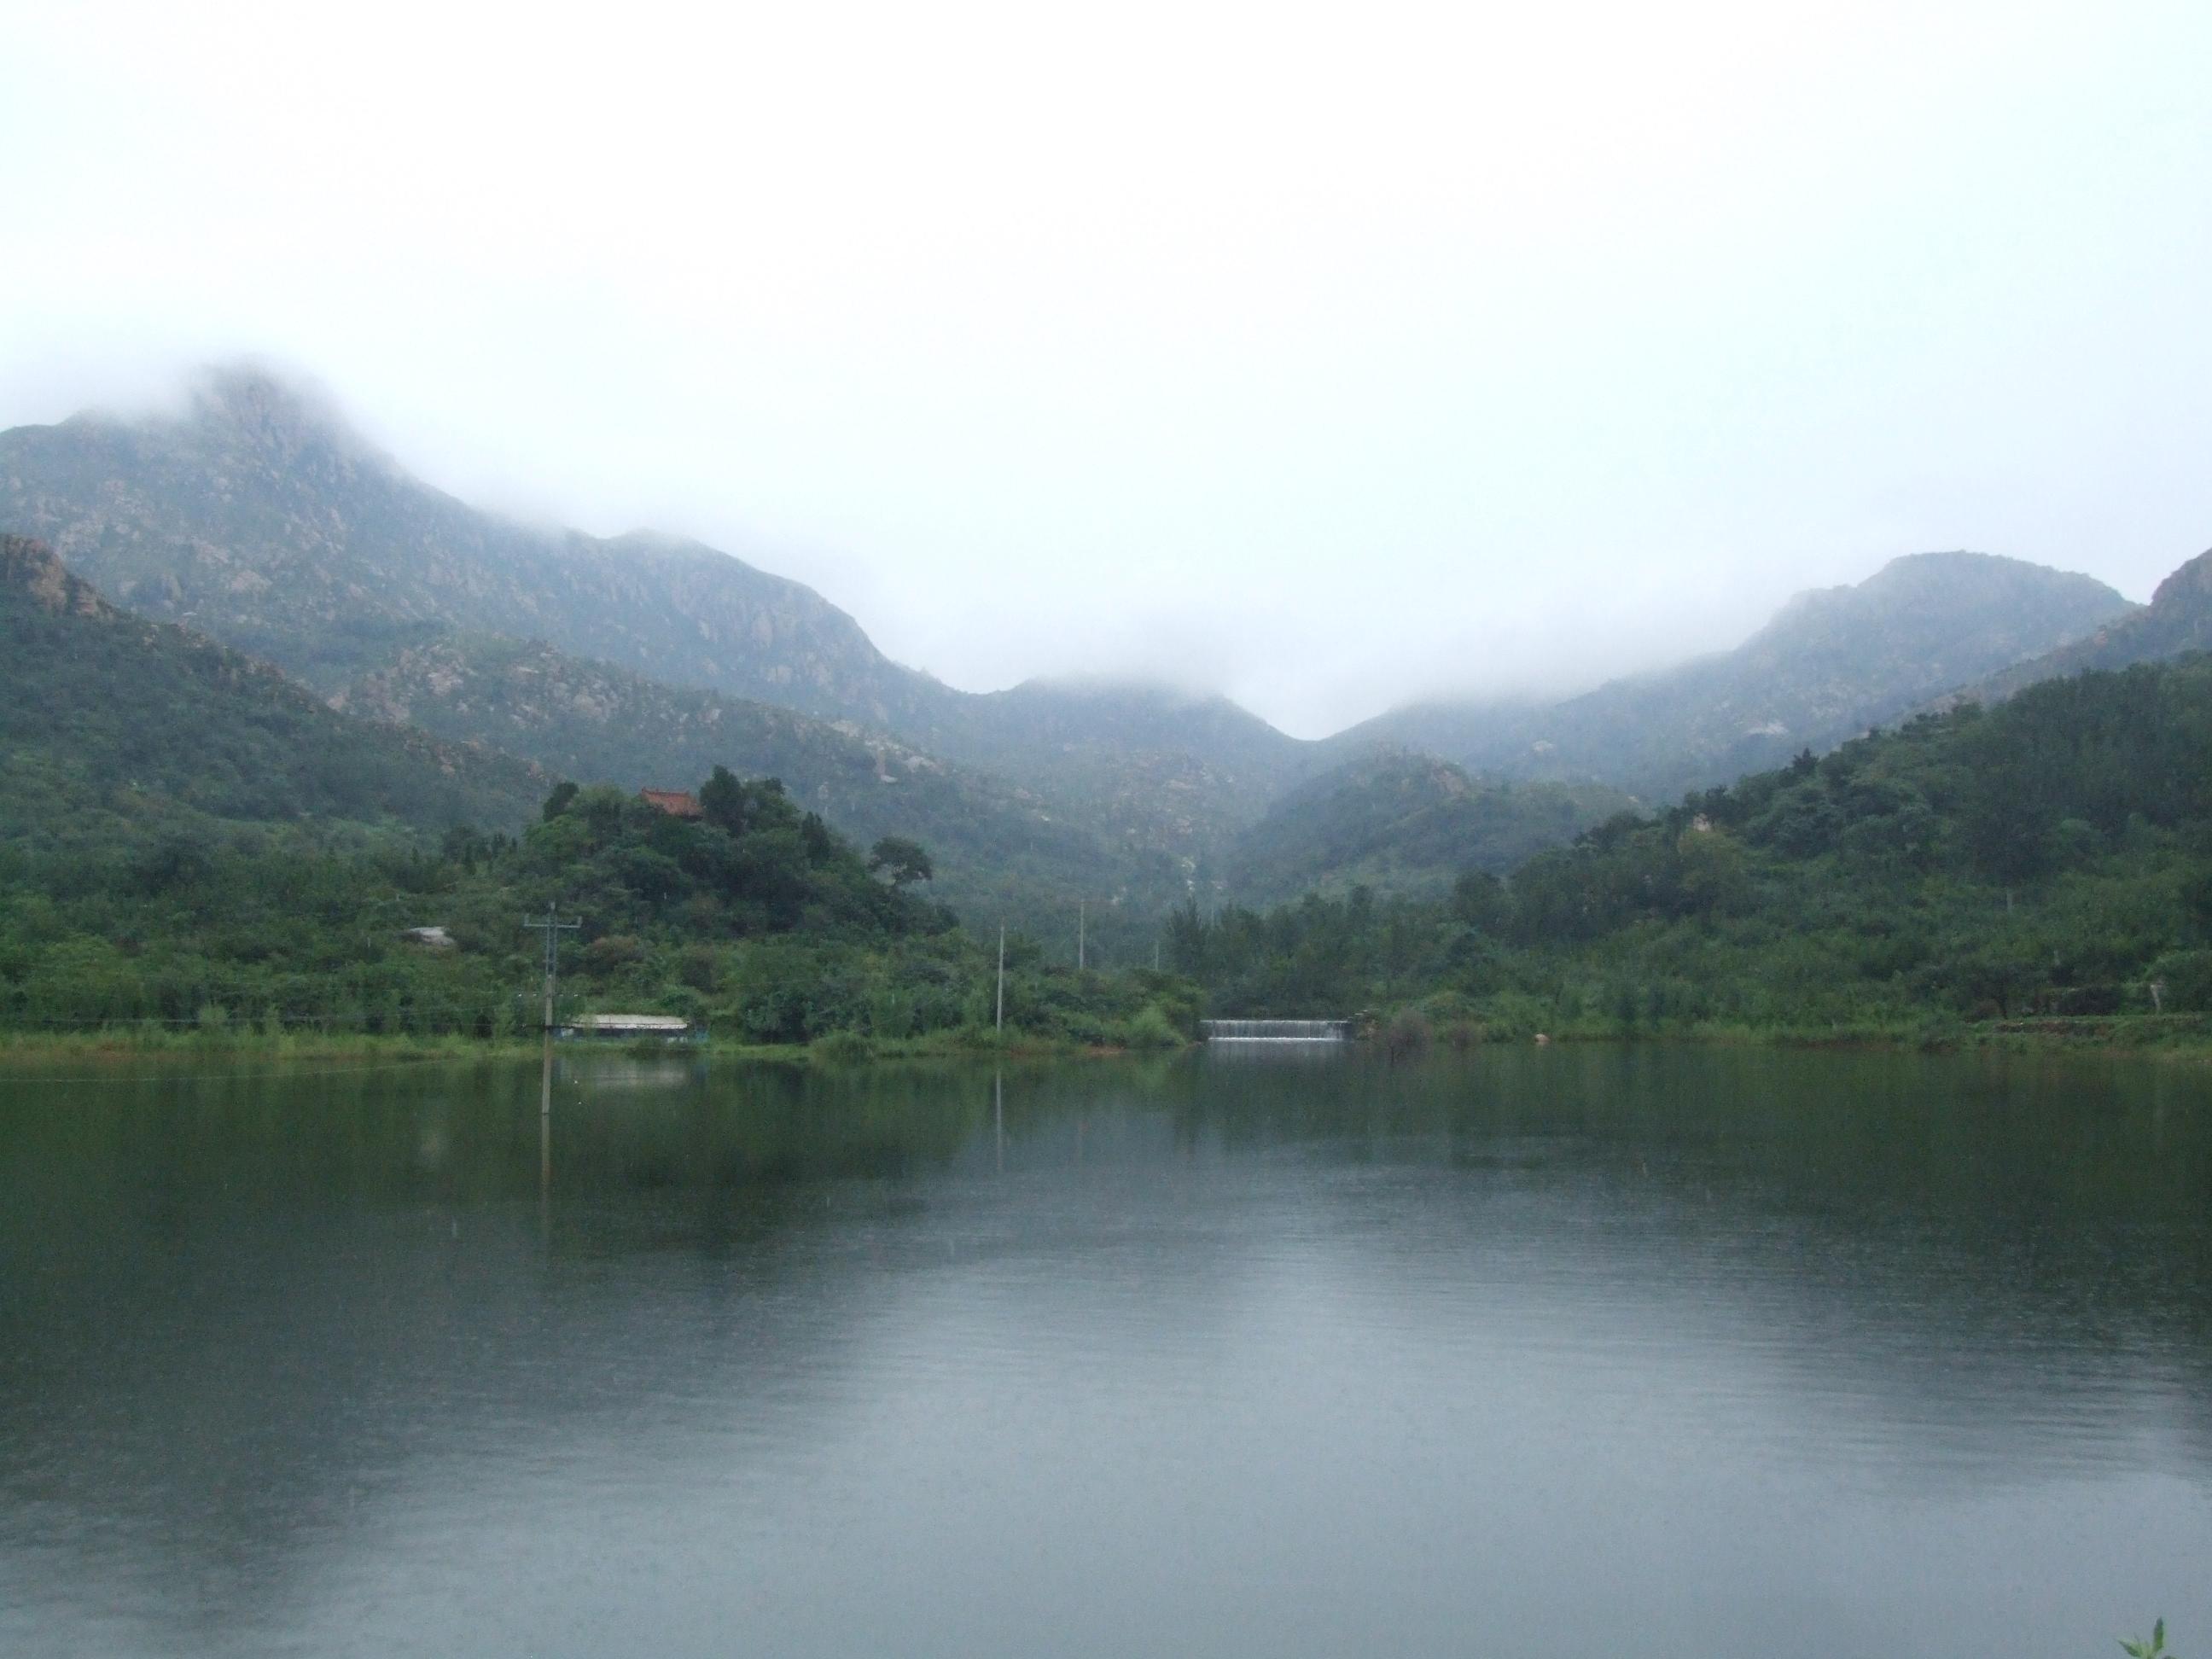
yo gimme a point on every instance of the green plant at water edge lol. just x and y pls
(840, 1049)
(2155, 1648)
(1152, 1029)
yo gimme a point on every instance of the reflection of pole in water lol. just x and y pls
(545, 1175)
(999, 1116)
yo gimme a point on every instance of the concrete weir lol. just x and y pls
(1276, 1030)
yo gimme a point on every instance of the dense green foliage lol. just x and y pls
(756, 917)
(110, 725)
(2050, 856)
(1001, 853)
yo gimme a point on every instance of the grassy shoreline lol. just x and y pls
(2177, 1038)
(99, 1044)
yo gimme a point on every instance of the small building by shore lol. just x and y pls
(673, 1030)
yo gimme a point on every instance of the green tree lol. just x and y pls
(904, 861)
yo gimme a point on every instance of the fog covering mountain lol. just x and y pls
(258, 517)
(1831, 663)
(114, 726)
(1171, 771)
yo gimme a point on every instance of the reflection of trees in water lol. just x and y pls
(235, 1315)
(1967, 1244)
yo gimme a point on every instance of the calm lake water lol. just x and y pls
(1574, 1351)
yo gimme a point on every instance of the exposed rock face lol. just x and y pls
(2188, 589)
(31, 567)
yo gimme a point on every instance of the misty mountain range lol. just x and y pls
(259, 519)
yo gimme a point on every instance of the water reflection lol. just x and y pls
(1630, 1348)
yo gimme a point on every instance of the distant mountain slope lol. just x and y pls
(998, 850)
(104, 712)
(2177, 621)
(1831, 664)
(1400, 821)
(262, 520)
(1169, 771)
(258, 517)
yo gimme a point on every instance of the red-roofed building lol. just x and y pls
(677, 802)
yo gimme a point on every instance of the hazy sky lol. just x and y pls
(1325, 355)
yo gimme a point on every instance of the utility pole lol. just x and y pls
(550, 925)
(1078, 936)
(1001, 1024)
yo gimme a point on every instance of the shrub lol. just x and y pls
(604, 956)
(1150, 1028)
(2186, 977)
(1407, 1034)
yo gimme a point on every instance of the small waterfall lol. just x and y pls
(1276, 1030)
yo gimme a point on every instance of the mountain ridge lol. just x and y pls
(230, 515)
(258, 517)
(1831, 662)
(2177, 621)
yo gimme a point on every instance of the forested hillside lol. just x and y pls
(754, 916)
(2050, 856)
(1400, 823)
(110, 725)
(1002, 853)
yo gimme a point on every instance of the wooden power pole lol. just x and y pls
(1000, 1025)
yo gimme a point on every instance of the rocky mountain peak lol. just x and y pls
(2191, 585)
(253, 406)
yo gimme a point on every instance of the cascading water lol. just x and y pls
(1276, 1030)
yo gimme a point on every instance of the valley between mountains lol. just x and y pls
(459, 661)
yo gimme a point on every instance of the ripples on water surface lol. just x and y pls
(1591, 1350)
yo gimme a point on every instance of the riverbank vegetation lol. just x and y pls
(2041, 867)
(752, 919)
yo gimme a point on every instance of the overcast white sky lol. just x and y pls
(1325, 355)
